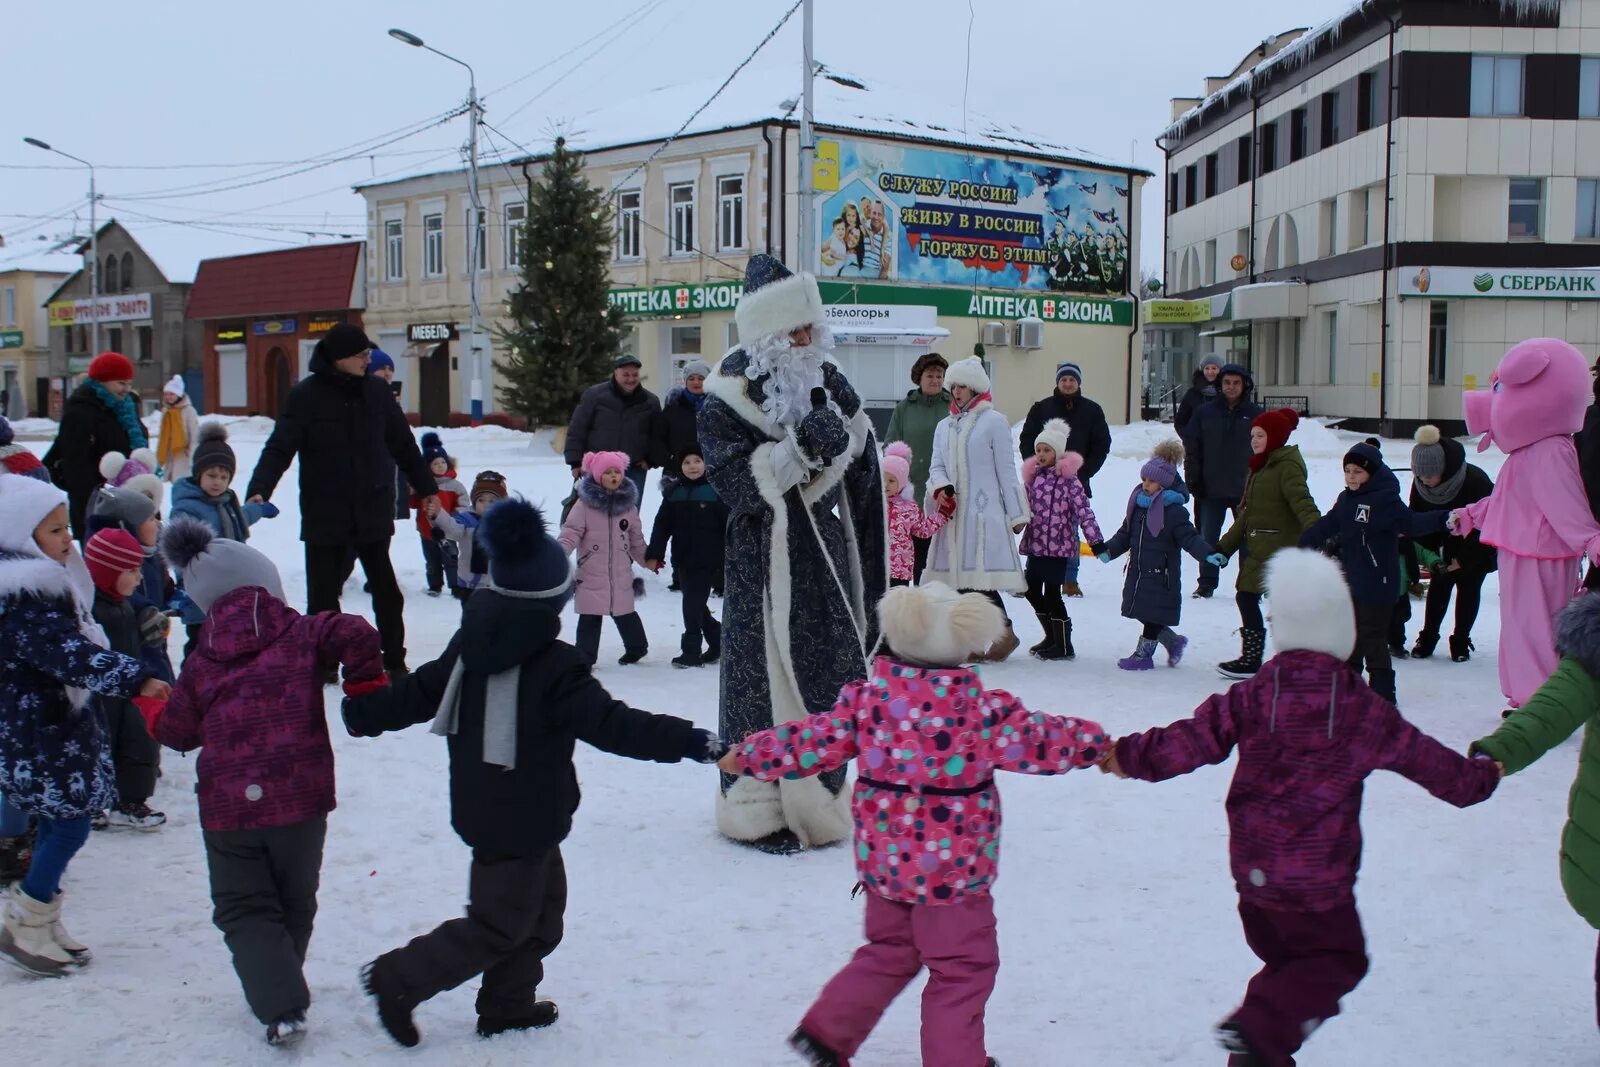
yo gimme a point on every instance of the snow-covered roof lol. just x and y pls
(1299, 52)
(841, 101)
(40, 261)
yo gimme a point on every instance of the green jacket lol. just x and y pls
(1276, 509)
(913, 422)
(1568, 700)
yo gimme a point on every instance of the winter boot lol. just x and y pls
(1067, 651)
(1381, 679)
(1175, 644)
(1253, 643)
(1060, 640)
(81, 956)
(135, 817)
(287, 1030)
(778, 843)
(542, 1014)
(815, 1052)
(713, 632)
(16, 855)
(1143, 658)
(1201, 593)
(1003, 647)
(690, 656)
(25, 940)
(394, 1007)
(1072, 589)
(1049, 635)
(1241, 1053)
(1426, 643)
(1461, 649)
(632, 655)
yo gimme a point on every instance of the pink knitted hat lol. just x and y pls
(597, 463)
(897, 461)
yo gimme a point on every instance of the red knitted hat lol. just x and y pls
(111, 367)
(1278, 425)
(109, 553)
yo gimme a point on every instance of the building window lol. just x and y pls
(147, 348)
(730, 212)
(1330, 330)
(516, 234)
(1366, 102)
(1438, 335)
(394, 250)
(1242, 158)
(477, 237)
(680, 219)
(8, 306)
(1331, 133)
(1496, 85)
(108, 278)
(1172, 194)
(1299, 129)
(433, 246)
(1211, 263)
(628, 211)
(127, 271)
(1269, 148)
(1589, 88)
(1191, 184)
(1329, 237)
(685, 341)
(1588, 209)
(114, 338)
(1527, 200)
(1212, 188)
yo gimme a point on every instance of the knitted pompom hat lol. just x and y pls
(1169, 451)
(212, 450)
(1054, 436)
(433, 448)
(523, 558)
(935, 625)
(597, 463)
(212, 566)
(1277, 425)
(1427, 457)
(1159, 471)
(109, 554)
(136, 471)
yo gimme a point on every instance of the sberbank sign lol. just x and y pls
(1522, 283)
(664, 301)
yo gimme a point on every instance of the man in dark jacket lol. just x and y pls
(346, 428)
(1217, 445)
(1090, 437)
(618, 415)
(512, 698)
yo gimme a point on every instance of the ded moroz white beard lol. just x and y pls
(791, 372)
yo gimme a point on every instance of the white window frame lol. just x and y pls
(482, 235)
(1589, 87)
(394, 245)
(1588, 197)
(8, 305)
(732, 213)
(514, 232)
(1538, 231)
(681, 226)
(434, 264)
(630, 219)
(1493, 83)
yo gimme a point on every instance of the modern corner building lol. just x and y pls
(1369, 213)
(927, 236)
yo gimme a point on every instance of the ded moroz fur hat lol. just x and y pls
(775, 300)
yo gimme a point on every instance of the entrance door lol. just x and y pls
(433, 387)
(277, 381)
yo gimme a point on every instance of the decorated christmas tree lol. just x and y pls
(564, 333)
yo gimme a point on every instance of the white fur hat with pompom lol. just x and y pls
(136, 471)
(935, 625)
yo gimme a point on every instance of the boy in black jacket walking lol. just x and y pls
(512, 698)
(695, 520)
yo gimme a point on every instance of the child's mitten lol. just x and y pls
(706, 747)
(269, 510)
(152, 625)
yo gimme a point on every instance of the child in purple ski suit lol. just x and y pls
(925, 908)
(1060, 508)
(1309, 731)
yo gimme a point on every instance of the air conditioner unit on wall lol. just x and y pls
(994, 335)
(1030, 333)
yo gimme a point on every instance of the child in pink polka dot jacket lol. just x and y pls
(927, 738)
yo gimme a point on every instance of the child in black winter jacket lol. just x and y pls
(1363, 528)
(695, 520)
(512, 698)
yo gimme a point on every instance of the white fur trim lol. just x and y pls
(24, 503)
(790, 466)
(1309, 604)
(40, 577)
(968, 372)
(817, 816)
(749, 810)
(779, 307)
(934, 624)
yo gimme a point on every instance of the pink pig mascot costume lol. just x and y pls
(1538, 516)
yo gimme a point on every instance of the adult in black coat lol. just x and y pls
(618, 415)
(346, 428)
(1443, 480)
(677, 432)
(1588, 442)
(1217, 455)
(523, 698)
(98, 417)
(1089, 435)
(1202, 390)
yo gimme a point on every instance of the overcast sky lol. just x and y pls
(183, 82)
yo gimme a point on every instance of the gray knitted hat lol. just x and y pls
(212, 567)
(127, 508)
(1427, 458)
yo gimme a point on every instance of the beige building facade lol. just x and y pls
(25, 335)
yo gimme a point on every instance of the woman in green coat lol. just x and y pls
(1568, 700)
(914, 420)
(1277, 508)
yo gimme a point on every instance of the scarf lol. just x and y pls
(958, 410)
(174, 441)
(1155, 519)
(1446, 491)
(122, 408)
(1257, 462)
(696, 400)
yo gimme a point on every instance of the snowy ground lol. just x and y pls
(1119, 935)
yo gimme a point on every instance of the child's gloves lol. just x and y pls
(151, 709)
(179, 602)
(706, 747)
(354, 688)
(1217, 559)
(467, 520)
(269, 510)
(1103, 557)
(152, 625)
(947, 505)
(1097, 548)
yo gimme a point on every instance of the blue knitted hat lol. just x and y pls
(379, 360)
(1064, 370)
(433, 448)
(523, 557)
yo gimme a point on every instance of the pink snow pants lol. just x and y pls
(956, 942)
(1532, 593)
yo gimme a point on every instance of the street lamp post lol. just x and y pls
(473, 240)
(94, 237)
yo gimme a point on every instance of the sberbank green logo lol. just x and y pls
(1483, 282)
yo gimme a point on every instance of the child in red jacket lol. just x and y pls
(1309, 732)
(451, 494)
(250, 698)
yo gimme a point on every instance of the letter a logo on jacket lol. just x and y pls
(1363, 512)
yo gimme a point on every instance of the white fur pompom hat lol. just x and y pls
(136, 471)
(1309, 604)
(935, 625)
(968, 372)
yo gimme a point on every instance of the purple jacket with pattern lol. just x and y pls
(1059, 506)
(1309, 731)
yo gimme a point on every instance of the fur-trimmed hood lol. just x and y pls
(1067, 466)
(35, 576)
(595, 495)
(1578, 632)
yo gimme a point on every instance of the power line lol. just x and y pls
(582, 60)
(581, 44)
(269, 163)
